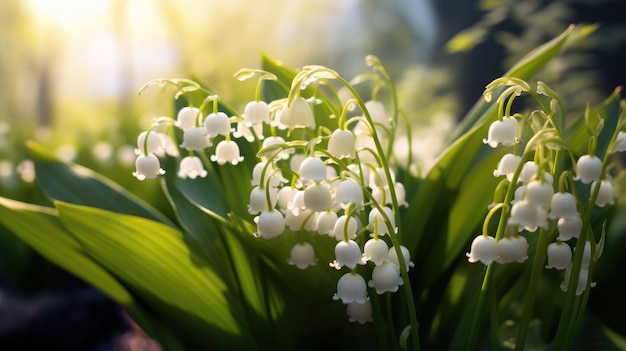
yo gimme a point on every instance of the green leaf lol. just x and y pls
(40, 228)
(171, 276)
(79, 185)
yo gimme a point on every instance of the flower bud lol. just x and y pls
(507, 165)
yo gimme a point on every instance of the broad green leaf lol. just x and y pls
(172, 277)
(79, 185)
(40, 228)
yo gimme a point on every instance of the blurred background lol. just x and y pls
(70, 71)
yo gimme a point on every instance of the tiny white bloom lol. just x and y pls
(347, 253)
(360, 312)
(385, 277)
(217, 124)
(298, 115)
(569, 227)
(529, 170)
(588, 168)
(227, 151)
(191, 167)
(195, 138)
(276, 140)
(582, 280)
(326, 222)
(312, 169)
(392, 256)
(340, 225)
(243, 130)
(154, 144)
(620, 143)
(341, 144)
(525, 214)
(606, 193)
(348, 191)
(302, 255)
(270, 224)
(512, 249)
(256, 112)
(351, 287)
(563, 205)
(258, 199)
(559, 255)
(484, 249)
(317, 197)
(376, 219)
(539, 193)
(507, 165)
(375, 250)
(297, 221)
(502, 132)
(186, 117)
(147, 166)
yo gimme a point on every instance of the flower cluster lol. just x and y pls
(547, 187)
(313, 175)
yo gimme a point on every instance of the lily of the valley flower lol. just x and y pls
(256, 112)
(191, 167)
(502, 132)
(195, 138)
(385, 277)
(217, 124)
(302, 255)
(154, 145)
(392, 256)
(582, 280)
(348, 191)
(312, 169)
(147, 167)
(507, 165)
(563, 205)
(376, 250)
(347, 253)
(298, 115)
(606, 193)
(588, 168)
(341, 144)
(227, 151)
(559, 255)
(258, 199)
(569, 227)
(512, 249)
(270, 224)
(484, 249)
(351, 287)
(360, 312)
(326, 222)
(186, 117)
(317, 197)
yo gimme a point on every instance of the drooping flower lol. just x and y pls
(217, 124)
(502, 132)
(351, 287)
(154, 144)
(256, 112)
(326, 222)
(392, 256)
(195, 138)
(270, 224)
(512, 249)
(588, 168)
(277, 140)
(304, 219)
(147, 167)
(360, 312)
(539, 193)
(620, 143)
(227, 151)
(582, 280)
(606, 193)
(347, 253)
(559, 255)
(569, 227)
(376, 218)
(524, 214)
(563, 205)
(186, 117)
(385, 277)
(375, 250)
(298, 115)
(348, 191)
(317, 197)
(507, 165)
(250, 133)
(341, 144)
(312, 169)
(302, 255)
(258, 199)
(191, 167)
(484, 249)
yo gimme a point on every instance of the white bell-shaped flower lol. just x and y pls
(502, 132)
(378, 178)
(147, 167)
(195, 138)
(385, 277)
(581, 285)
(297, 203)
(169, 146)
(484, 249)
(277, 140)
(360, 312)
(349, 191)
(519, 194)
(347, 253)
(588, 168)
(341, 144)
(285, 197)
(305, 219)
(563, 205)
(529, 170)
(392, 256)
(186, 117)
(620, 143)
(302, 255)
(363, 169)
(154, 144)
(375, 250)
(606, 193)
(312, 169)
(227, 151)
(275, 176)
(569, 227)
(298, 115)
(217, 124)
(524, 214)
(191, 167)
(376, 218)
(539, 193)
(258, 199)
(559, 255)
(270, 224)
(326, 222)
(351, 287)
(317, 197)
(256, 112)
(350, 228)
(507, 165)
(250, 133)
(512, 249)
